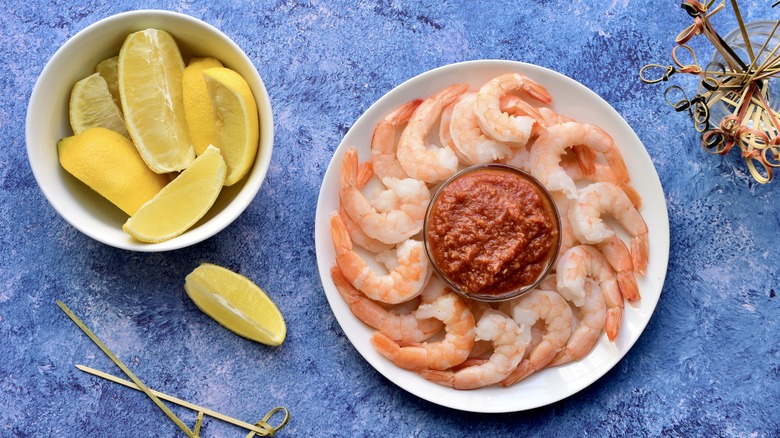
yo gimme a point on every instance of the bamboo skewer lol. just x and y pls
(261, 428)
(742, 89)
(201, 410)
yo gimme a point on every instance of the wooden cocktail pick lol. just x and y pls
(261, 428)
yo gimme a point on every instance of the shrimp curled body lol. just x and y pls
(446, 353)
(509, 343)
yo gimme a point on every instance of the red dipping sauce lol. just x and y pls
(492, 232)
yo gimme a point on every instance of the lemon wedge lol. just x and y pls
(236, 303)
(108, 68)
(91, 105)
(181, 203)
(108, 162)
(150, 69)
(238, 127)
(197, 105)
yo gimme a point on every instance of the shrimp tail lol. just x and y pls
(537, 91)
(345, 288)
(341, 240)
(639, 251)
(443, 378)
(627, 284)
(586, 158)
(349, 169)
(403, 113)
(364, 174)
(522, 371)
(615, 161)
(613, 322)
(385, 346)
(633, 195)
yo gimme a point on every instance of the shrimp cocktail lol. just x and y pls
(514, 269)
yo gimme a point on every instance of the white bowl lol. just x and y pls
(47, 122)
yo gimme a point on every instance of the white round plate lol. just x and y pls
(571, 99)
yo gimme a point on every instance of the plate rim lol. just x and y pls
(661, 239)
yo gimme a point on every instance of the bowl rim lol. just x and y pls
(250, 185)
(522, 290)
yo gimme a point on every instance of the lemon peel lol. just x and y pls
(109, 163)
(197, 105)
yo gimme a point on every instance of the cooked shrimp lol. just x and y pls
(383, 142)
(549, 283)
(417, 159)
(444, 133)
(391, 225)
(481, 347)
(468, 136)
(452, 350)
(618, 256)
(545, 118)
(547, 150)
(509, 343)
(402, 283)
(498, 124)
(357, 235)
(606, 198)
(568, 240)
(583, 262)
(590, 322)
(398, 326)
(601, 173)
(549, 309)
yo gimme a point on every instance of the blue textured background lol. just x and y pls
(707, 364)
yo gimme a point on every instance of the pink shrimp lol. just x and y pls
(549, 148)
(446, 353)
(509, 343)
(417, 159)
(583, 262)
(444, 133)
(498, 124)
(469, 138)
(393, 225)
(398, 326)
(606, 198)
(357, 235)
(383, 154)
(549, 309)
(402, 283)
(590, 317)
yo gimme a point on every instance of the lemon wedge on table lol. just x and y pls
(197, 105)
(235, 113)
(91, 105)
(236, 303)
(108, 162)
(181, 203)
(150, 69)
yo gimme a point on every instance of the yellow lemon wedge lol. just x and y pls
(236, 303)
(108, 69)
(238, 127)
(181, 203)
(150, 69)
(108, 163)
(91, 105)
(197, 105)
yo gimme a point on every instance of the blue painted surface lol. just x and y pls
(707, 364)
